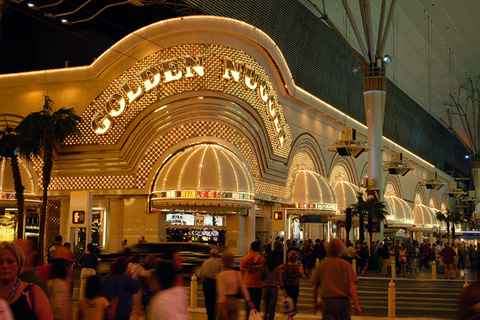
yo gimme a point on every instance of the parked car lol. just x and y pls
(193, 254)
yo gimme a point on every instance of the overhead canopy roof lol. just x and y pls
(346, 194)
(204, 175)
(313, 192)
(425, 216)
(7, 185)
(399, 211)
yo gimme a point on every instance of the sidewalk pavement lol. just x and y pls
(200, 314)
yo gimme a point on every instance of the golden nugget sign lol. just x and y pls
(186, 67)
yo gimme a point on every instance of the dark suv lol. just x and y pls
(193, 254)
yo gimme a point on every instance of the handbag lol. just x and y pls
(254, 315)
(287, 306)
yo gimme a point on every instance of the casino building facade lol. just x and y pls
(194, 130)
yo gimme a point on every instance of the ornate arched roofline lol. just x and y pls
(305, 142)
(348, 164)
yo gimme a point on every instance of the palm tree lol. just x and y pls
(45, 128)
(455, 217)
(8, 149)
(442, 218)
(360, 209)
(348, 222)
(375, 211)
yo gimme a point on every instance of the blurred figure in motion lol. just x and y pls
(337, 279)
(209, 270)
(121, 286)
(171, 299)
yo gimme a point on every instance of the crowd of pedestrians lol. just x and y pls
(153, 288)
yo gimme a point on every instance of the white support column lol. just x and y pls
(374, 104)
(65, 220)
(374, 94)
(116, 225)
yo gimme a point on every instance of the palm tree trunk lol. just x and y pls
(370, 232)
(17, 179)
(448, 230)
(46, 174)
(348, 223)
(361, 228)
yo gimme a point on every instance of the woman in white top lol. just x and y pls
(229, 286)
(171, 301)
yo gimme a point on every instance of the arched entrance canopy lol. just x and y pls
(7, 186)
(400, 213)
(312, 194)
(205, 175)
(424, 218)
(346, 194)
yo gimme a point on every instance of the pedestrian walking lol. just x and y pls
(59, 287)
(309, 258)
(292, 272)
(139, 274)
(272, 279)
(208, 271)
(448, 255)
(251, 267)
(402, 258)
(319, 250)
(385, 255)
(88, 264)
(171, 300)
(230, 287)
(121, 286)
(337, 279)
(94, 306)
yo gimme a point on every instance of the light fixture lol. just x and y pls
(34, 7)
(432, 181)
(65, 21)
(355, 70)
(397, 165)
(348, 146)
(387, 59)
(467, 156)
(454, 192)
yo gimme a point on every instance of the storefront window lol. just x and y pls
(7, 224)
(204, 228)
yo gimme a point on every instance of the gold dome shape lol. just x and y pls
(312, 191)
(424, 216)
(204, 175)
(7, 186)
(399, 211)
(346, 194)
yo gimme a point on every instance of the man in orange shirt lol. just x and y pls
(336, 278)
(251, 267)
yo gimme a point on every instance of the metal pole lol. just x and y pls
(434, 270)
(391, 299)
(392, 266)
(193, 292)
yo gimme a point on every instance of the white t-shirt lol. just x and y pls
(169, 304)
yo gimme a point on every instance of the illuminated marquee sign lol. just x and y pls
(233, 70)
(184, 67)
(150, 78)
